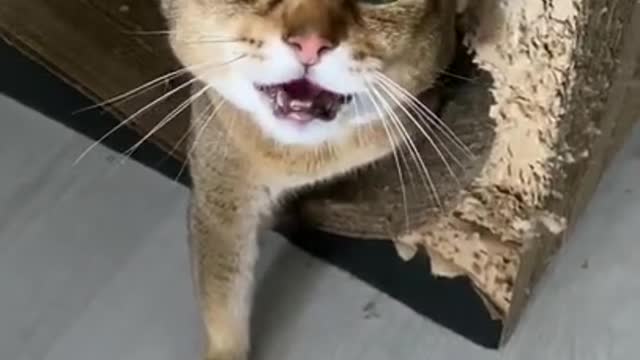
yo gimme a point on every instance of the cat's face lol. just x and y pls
(308, 70)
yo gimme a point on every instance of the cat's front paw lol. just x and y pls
(234, 351)
(228, 339)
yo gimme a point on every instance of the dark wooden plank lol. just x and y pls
(90, 44)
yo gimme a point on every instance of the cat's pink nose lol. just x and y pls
(309, 47)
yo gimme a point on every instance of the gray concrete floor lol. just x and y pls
(93, 265)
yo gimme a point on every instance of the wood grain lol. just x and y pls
(91, 44)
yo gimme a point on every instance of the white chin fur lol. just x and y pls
(289, 133)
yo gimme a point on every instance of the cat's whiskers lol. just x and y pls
(356, 107)
(418, 161)
(457, 76)
(206, 37)
(413, 149)
(403, 139)
(394, 147)
(145, 108)
(149, 32)
(196, 138)
(423, 123)
(210, 41)
(428, 115)
(357, 114)
(132, 117)
(398, 100)
(143, 88)
(189, 130)
(172, 115)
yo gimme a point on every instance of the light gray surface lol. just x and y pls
(93, 266)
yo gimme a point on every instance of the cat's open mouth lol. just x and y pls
(302, 101)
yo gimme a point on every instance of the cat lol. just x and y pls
(289, 93)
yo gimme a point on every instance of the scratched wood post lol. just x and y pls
(558, 84)
(553, 95)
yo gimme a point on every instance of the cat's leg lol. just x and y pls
(224, 251)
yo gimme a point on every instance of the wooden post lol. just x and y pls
(561, 95)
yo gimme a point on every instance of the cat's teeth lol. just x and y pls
(281, 98)
(298, 105)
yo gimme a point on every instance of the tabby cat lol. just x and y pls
(289, 93)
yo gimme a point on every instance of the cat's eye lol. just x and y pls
(377, 2)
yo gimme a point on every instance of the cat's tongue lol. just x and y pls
(301, 89)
